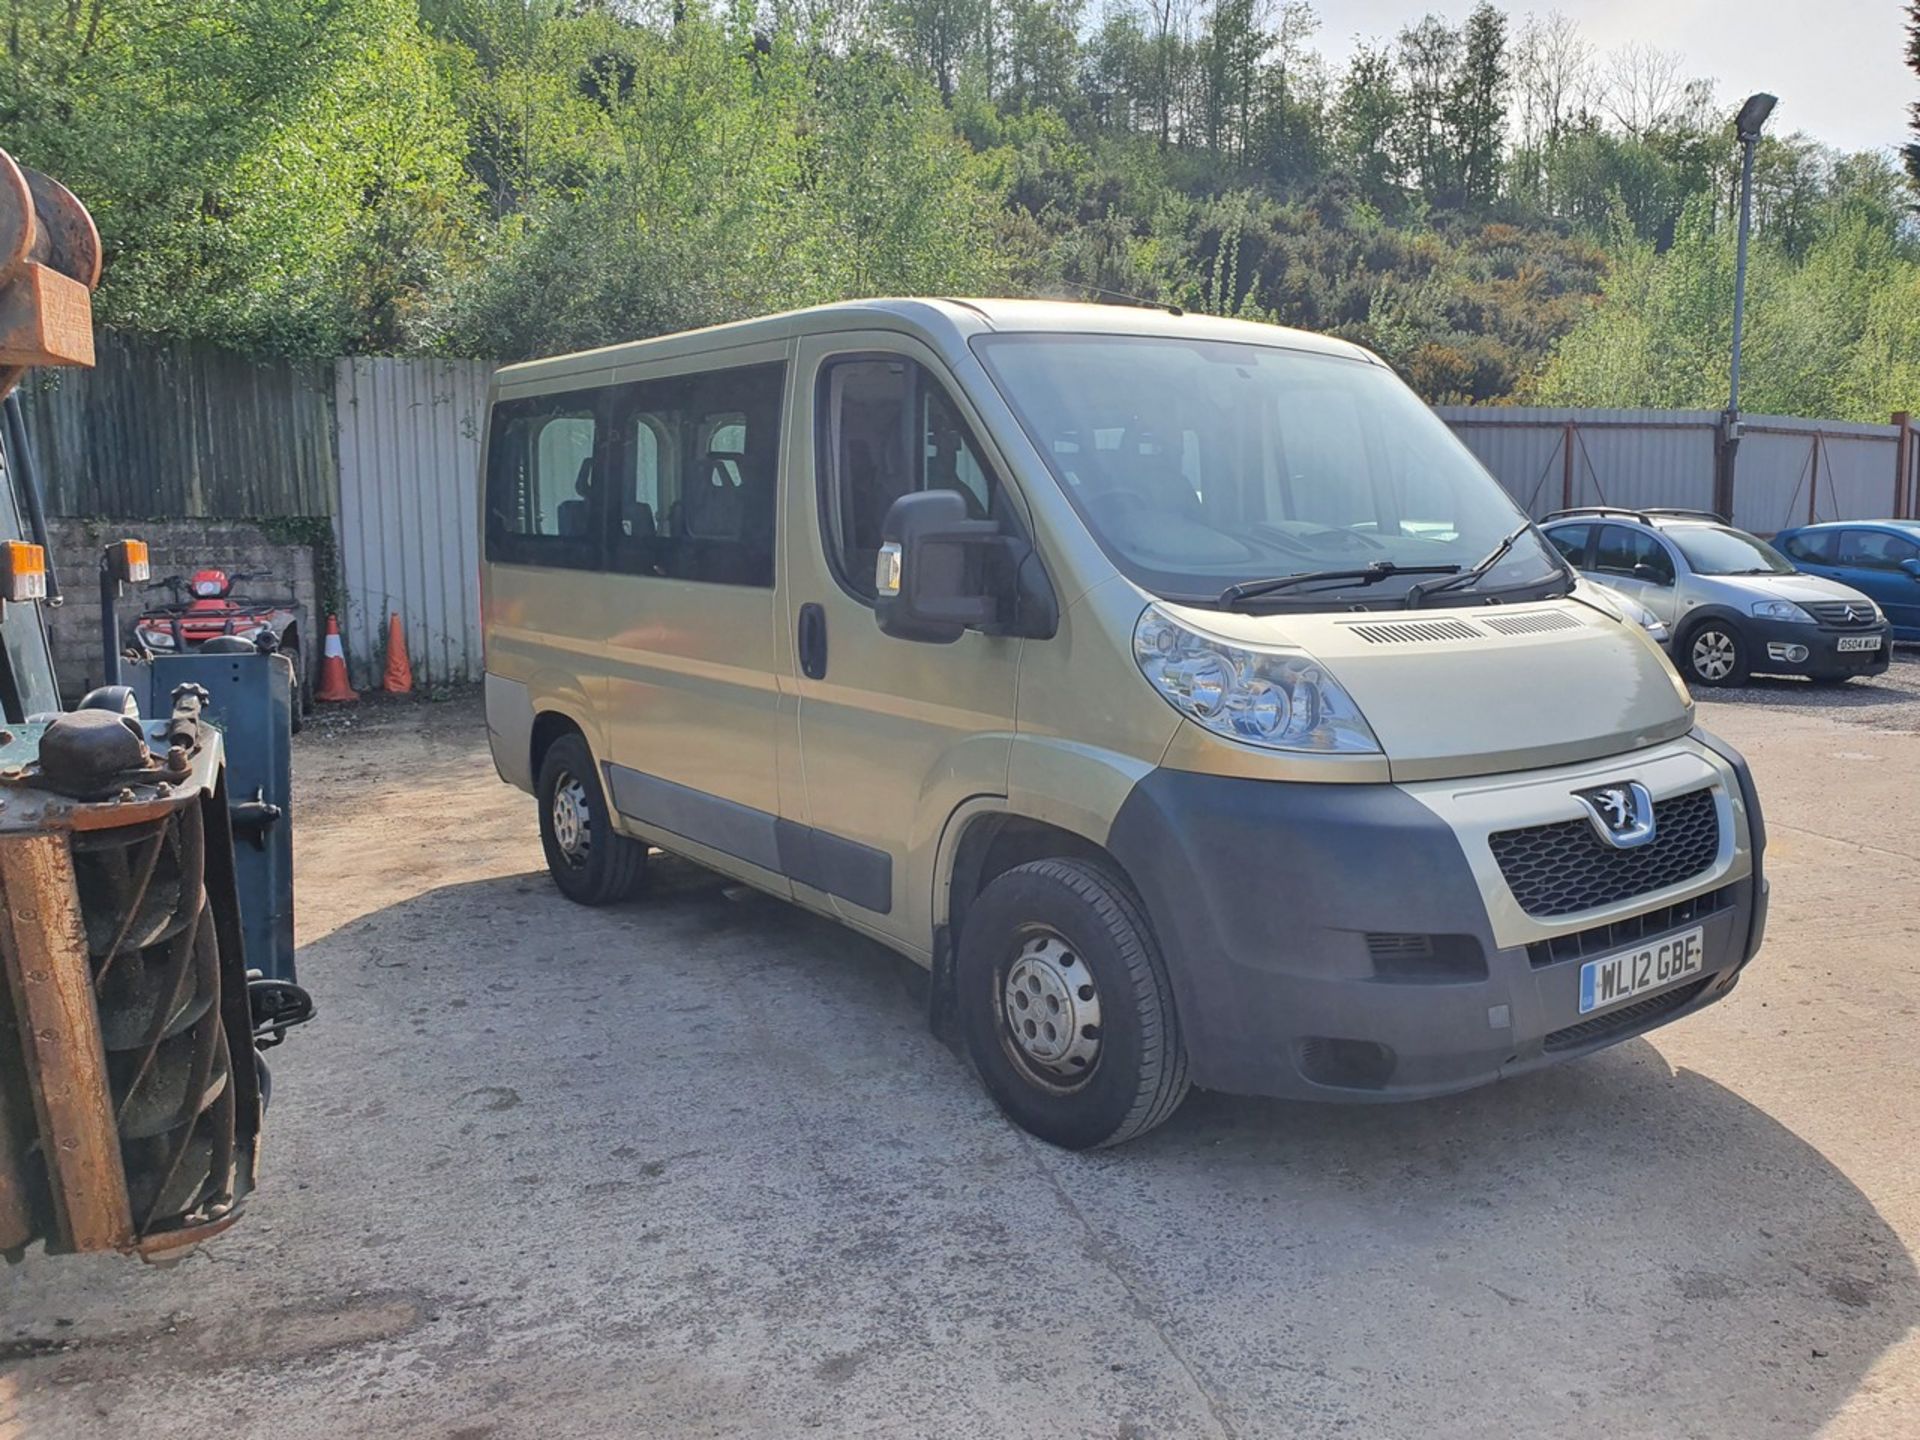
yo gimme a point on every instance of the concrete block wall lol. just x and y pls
(179, 547)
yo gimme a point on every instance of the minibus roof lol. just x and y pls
(945, 324)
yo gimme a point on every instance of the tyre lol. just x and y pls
(590, 863)
(302, 673)
(1065, 1005)
(1715, 654)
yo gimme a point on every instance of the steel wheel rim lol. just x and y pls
(1713, 655)
(571, 821)
(1049, 1009)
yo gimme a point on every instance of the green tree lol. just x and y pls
(1369, 116)
(1476, 111)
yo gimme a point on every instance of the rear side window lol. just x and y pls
(1875, 549)
(543, 456)
(1571, 541)
(888, 430)
(1816, 546)
(698, 463)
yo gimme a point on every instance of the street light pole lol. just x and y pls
(1752, 116)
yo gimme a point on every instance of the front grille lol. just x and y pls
(1841, 614)
(1605, 939)
(1636, 1016)
(1564, 868)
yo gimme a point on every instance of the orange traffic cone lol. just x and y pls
(333, 668)
(399, 679)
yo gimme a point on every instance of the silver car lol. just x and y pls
(1731, 603)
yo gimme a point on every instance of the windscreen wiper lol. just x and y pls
(1371, 574)
(1476, 571)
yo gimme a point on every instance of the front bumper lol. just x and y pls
(1773, 643)
(1359, 942)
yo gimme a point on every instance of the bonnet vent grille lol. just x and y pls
(1537, 623)
(1415, 632)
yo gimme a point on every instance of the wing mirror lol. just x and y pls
(940, 574)
(1912, 567)
(1646, 572)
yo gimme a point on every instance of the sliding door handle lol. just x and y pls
(813, 641)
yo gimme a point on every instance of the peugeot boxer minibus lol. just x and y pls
(1177, 690)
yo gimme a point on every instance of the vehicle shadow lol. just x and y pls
(696, 1162)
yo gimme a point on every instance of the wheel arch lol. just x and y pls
(991, 841)
(548, 726)
(1691, 622)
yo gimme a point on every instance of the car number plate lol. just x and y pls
(1859, 642)
(1614, 978)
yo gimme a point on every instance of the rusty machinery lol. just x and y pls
(130, 1086)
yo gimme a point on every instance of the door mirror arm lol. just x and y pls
(940, 574)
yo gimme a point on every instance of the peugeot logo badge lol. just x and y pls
(1622, 813)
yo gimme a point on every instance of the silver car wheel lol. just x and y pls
(1713, 655)
(572, 821)
(1050, 1012)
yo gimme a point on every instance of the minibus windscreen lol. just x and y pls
(1199, 465)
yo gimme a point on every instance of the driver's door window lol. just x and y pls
(891, 430)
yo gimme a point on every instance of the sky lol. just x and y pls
(1835, 64)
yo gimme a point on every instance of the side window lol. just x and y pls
(1816, 547)
(1653, 552)
(889, 430)
(1621, 550)
(1614, 554)
(1875, 549)
(1571, 541)
(699, 471)
(542, 461)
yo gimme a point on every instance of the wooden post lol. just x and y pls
(44, 945)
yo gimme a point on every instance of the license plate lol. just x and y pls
(1859, 642)
(1615, 978)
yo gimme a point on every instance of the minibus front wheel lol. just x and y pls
(589, 861)
(1066, 1007)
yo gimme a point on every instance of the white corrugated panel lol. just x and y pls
(1648, 458)
(1620, 457)
(1774, 484)
(410, 434)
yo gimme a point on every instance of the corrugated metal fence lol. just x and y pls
(183, 430)
(390, 449)
(408, 519)
(1788, 471)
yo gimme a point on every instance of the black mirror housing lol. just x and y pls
(940, 574)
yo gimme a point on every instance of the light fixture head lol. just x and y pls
(1753, 115)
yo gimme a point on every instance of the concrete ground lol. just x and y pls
(694, 1167)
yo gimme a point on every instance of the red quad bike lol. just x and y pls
(204, 608)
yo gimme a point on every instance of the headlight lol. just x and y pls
(1781, 610)
(156, 639)
(1279, 699)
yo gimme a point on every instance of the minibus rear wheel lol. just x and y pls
(589, 862)
(1066, 1007)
